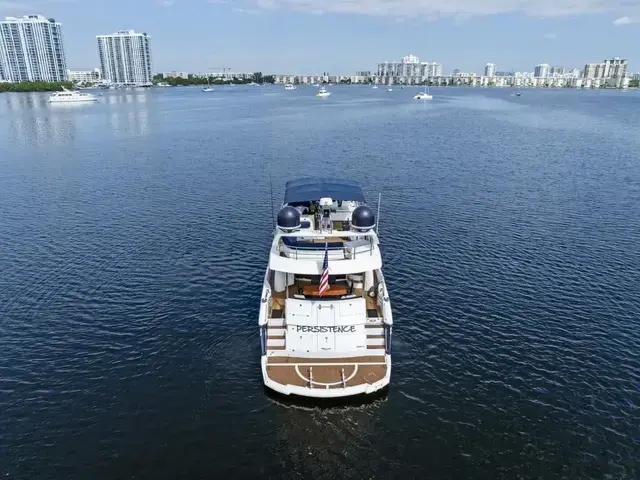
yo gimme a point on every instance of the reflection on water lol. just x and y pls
(33, 121)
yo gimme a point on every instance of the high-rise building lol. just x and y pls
(615, 68)
(610, 68)
(490, 70)
(410, 66)
(125, 57)
(541, 70)
(32, 50)
(591, 70)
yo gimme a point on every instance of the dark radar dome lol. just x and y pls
(363, 218)
(288, 218)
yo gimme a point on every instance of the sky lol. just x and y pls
(341, 37)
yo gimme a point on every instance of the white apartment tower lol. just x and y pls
(125, 57)
(541, 71)
(32, 50)
(490, 70)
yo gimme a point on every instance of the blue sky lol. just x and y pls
(343, 36)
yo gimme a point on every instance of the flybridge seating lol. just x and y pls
(311, 245)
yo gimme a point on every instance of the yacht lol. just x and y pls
(325, 316)
(323, 93)
(424, 95)
(69, 96)
(289, 86)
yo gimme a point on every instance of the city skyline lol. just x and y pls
(272, 39)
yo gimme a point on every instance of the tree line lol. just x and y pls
(34, 86)
(212, 80)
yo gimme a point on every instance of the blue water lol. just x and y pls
(134, 236)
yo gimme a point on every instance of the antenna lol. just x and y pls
(273, 220)
(378, 215)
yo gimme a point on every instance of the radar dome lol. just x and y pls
(288, 218)
(363, 218)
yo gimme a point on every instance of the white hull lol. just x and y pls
(321, 390)
(68, 96)
(423, 97)
(81, 100)
(321, 95)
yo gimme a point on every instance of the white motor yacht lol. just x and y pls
(325, 317)
(323, 93)
(71, 96)
(289, 86)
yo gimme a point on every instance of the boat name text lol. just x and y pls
(326, 329)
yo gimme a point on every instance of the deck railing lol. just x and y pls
(344, 252)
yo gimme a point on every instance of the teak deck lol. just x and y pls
(326, 372)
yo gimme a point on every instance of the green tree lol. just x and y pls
(34, 86)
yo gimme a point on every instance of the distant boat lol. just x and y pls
(518, 94)
(375, 87)
(289, 86)
(389, 89)
(424, 95)
(208, 88)
(323, 93)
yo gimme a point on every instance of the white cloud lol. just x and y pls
(247, 11)
(550, 36)
(431, 9)
(625, 21)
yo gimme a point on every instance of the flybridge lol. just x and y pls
(313, 189)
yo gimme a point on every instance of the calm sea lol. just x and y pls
(134, 235)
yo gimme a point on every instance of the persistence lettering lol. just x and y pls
(326, 329)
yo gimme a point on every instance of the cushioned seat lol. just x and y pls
(294, 243)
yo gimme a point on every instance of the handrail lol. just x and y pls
(348, 252)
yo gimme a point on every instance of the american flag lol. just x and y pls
(324, 279)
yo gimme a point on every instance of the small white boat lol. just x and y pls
(323, 93)
(317, 85)
(424, 95)
(208, 88)
(389, 89)
(375, 87)
(69, 96)
(289, 86)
